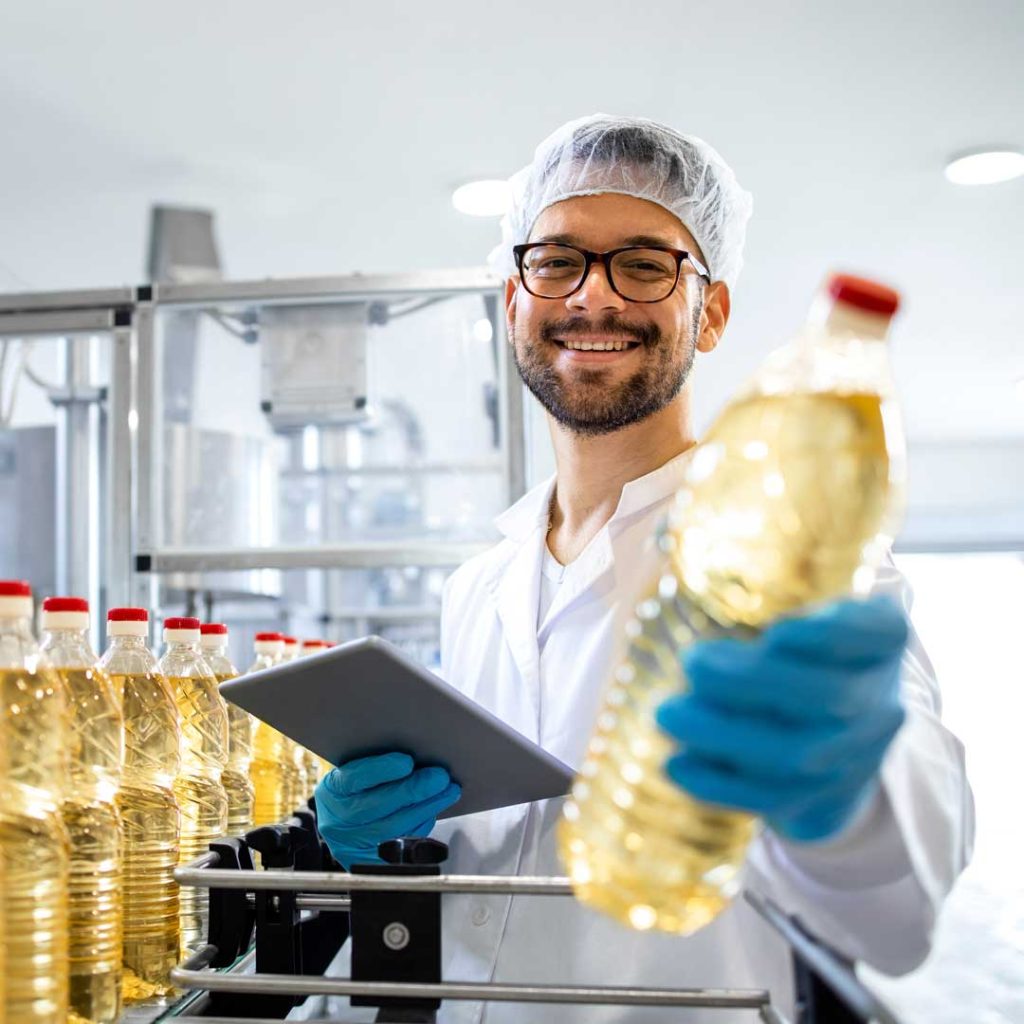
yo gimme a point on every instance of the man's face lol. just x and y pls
(594, 392)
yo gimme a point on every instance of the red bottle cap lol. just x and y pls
(290, 639)
(315, 643)
(213, 629)
(65, 604)
(864, 294)
(15, 588)
(127, 615)
(181, 622)
(268, 637)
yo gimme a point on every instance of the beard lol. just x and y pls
(589, 404)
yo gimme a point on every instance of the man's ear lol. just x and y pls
(714, 316)
(511, 291)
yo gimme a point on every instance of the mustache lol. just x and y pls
(647, 334)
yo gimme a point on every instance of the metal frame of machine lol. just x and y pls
(392, 915)
(132, 555)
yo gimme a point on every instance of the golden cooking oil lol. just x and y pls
(200, 793)
(34, 738)
(789, 500)
(151, 940)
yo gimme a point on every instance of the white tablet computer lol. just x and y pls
(366, 697)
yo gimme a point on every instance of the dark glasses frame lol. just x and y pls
(590, 257)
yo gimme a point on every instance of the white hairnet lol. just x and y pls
(635, 157)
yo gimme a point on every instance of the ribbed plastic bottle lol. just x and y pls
(297, 787)
(150, 822)
(3, 891)
(316, 767)
(238, 785)
(203, 803)
(790, 499)
(268, 770)
(90, 812)
(34, 734)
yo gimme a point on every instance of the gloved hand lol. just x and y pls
(373, 799)
(793, 725)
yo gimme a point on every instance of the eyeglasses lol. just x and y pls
(635, 273)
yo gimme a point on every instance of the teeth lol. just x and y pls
(597, 346)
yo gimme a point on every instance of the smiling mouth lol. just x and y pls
(596, 345)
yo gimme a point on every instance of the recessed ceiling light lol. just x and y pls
(985, 166)
(482, 198)
(482, 330)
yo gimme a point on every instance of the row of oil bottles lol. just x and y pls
(113, 771)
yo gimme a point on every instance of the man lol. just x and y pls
(867, 809)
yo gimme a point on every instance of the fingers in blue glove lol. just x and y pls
(847, 632)
(367, 772)
(373, 805)
(769, 747)
(757, 677)
(408, 819)
(777, 800)
(350, 841)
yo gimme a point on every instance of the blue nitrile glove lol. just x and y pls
(793, 725)
(368, 801)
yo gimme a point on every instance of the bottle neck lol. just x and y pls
(17, 625)
(67, 648)
(128, 643)
(842, 320)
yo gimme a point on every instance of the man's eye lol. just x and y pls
(646, 267)
(553, 264)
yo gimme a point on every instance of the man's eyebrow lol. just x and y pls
(570, 239)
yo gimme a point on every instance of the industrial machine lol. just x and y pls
(311, 454)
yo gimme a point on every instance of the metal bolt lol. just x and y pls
(396, 935)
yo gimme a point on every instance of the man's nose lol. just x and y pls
(596, 293)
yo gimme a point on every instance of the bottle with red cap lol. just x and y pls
(90, 811)
(267, 770)
(297, 786)
(34, 731)
(149, 810)
(203, 717)
(789, 500)
(241, 796)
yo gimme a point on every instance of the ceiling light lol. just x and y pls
(482, 198)
(483, 331)
(985, 166)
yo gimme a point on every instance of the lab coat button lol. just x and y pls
(481, 916)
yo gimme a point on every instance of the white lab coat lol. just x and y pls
(873, 893)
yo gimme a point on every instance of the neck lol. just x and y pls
(591, 471)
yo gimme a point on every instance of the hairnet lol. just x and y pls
(634, 157)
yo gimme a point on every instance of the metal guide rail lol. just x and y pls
(303, 906)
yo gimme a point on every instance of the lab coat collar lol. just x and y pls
(519, 522)
(515, 581)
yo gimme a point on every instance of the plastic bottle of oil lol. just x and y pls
(238, 785)
(3, 890)
(34, 735)
(790, 499)
(203, 803)
(267, 770)
(316, 767)
(149, 812)
(297, 786)
(90, 812)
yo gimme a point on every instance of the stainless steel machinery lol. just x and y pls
(318, 456)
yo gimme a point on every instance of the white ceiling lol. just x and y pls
(328, 137)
